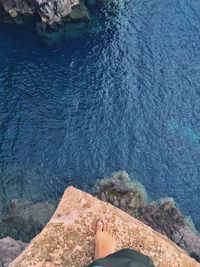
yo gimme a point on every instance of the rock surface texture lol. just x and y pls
(50, 11)
(9, 250)
(68, 239)
(163, 216)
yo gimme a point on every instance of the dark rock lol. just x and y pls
(51, 11)
(162, 216)
(25, 220)
(9, 250)
(124, 193)
(123, 202)
(116, 203)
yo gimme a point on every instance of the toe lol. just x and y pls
(105, 227)
(100, 226)
(110, 230)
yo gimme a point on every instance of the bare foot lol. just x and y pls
(105, 241)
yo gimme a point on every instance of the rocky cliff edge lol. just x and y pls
(68, 239)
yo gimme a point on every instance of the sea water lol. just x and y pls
(124, 95)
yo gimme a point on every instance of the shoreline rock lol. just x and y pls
(68, 238)
(49, 12)
(26, 220)
(10, 250)
(57, 20)
(163, 216)
(124, 193)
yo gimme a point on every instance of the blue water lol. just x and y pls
(126, 97)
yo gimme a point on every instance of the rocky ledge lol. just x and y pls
(68, 239)
(163, 216)
(23, 220)
(49, 11)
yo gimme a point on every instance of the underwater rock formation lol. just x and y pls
(25, 220)
(50, 11)
(25, 203)
(162, 216)
(68, 239)
(9, 250)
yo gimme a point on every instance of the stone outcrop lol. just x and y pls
(50, 11)
(162, 216)
(9, 250)
(22, 219)
(68, 239)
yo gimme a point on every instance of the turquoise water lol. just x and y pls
(123, 96)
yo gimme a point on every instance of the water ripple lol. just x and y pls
(126, 97)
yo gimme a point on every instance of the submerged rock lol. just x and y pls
(26, 220)
(9, 250)
(162, 216)
(68, 239)
(25, 206)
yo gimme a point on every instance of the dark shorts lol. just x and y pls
(124, 258)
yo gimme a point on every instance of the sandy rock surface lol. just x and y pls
(162, 215)
(68, 239)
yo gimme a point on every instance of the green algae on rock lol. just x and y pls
(163, 215)
(68, 239)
